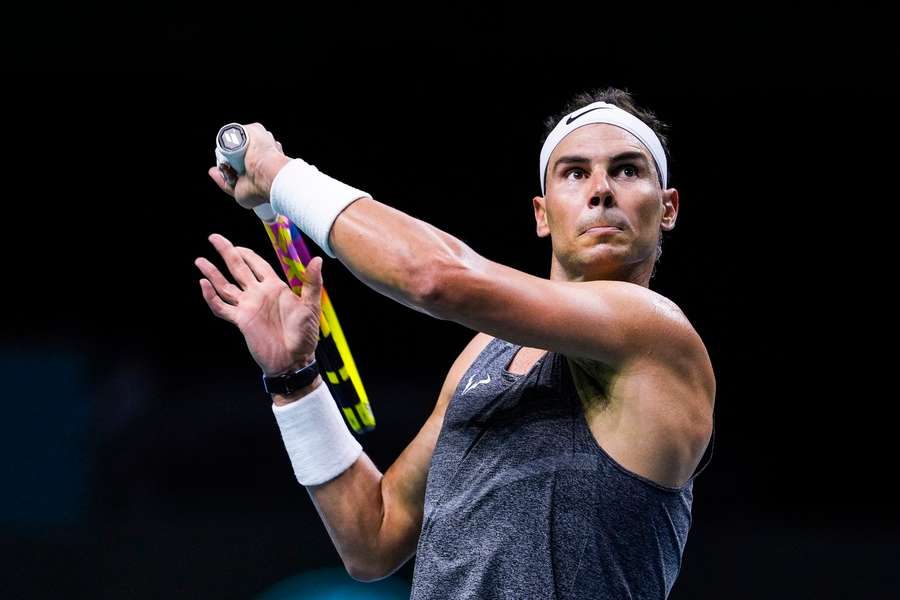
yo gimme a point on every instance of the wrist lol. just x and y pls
(294, 383)
(311, 200)
(285, 399)
(265, 168)
(316, 438)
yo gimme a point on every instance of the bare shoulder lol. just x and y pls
(475, 346)
(674, 331)
(666, 308)
(663, 394)
(659, 338)
(653, 311)
(655, 323)
(461, 365)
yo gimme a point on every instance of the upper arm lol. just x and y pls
(403, 485)
(608, 321)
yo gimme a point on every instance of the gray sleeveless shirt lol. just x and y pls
(521, 501)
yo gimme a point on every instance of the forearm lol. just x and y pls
(352, 509)
(350, 505)
(397, 255)
(374, 520)
(392, 252)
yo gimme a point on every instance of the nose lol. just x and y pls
(601, 192)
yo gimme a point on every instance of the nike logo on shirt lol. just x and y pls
(469, 385)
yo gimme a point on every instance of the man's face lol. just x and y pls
(589, 186)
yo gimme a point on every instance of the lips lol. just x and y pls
(601, 225)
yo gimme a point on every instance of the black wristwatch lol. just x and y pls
(287, 383)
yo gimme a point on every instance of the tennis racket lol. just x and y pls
(332, 351)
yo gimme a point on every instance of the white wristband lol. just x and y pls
(316, 439)
(311, 199)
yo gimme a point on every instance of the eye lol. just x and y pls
(578, 170)
(631, 168)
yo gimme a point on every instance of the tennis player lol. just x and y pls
(560, 457)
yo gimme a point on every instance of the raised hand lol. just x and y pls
(262, 161)
(281, 329)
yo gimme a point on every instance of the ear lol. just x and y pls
(670, 209)
(540, 216)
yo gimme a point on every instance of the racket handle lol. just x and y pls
(231, 146)
(266, 213)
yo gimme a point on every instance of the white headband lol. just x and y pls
(601, 112)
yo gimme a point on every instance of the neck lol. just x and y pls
(638, 273)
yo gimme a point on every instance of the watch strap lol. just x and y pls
(291, 381)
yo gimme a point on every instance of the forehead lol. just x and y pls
(598, 140)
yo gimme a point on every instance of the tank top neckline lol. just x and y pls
(516, 348)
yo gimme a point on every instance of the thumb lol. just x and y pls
(217, 176)
(311, 291)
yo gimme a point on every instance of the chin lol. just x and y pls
(606, 257)
(604, 253)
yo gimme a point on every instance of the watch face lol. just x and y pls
(285, 384)
(273, 385)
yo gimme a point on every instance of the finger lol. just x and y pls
(217, 176)
(260, 267)
(312, 288)
(260, 133)
(224, 288)
(255, 131)
(236, 265)
(216, 305)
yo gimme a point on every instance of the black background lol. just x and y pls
(163, 474)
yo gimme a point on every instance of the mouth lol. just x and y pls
(601, 229)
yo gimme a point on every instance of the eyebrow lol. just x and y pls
(574, 159)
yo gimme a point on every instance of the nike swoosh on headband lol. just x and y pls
(570, 119)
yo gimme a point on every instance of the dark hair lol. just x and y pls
(622, 99)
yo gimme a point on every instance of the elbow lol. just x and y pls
(427, 292)
(365, 573)
(439, 285)
(362, 574)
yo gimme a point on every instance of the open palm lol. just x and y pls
(281, 329)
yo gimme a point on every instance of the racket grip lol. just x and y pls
(231, 146)
(266, 213)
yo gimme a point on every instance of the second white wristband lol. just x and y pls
(316, 439)
(311, 199)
